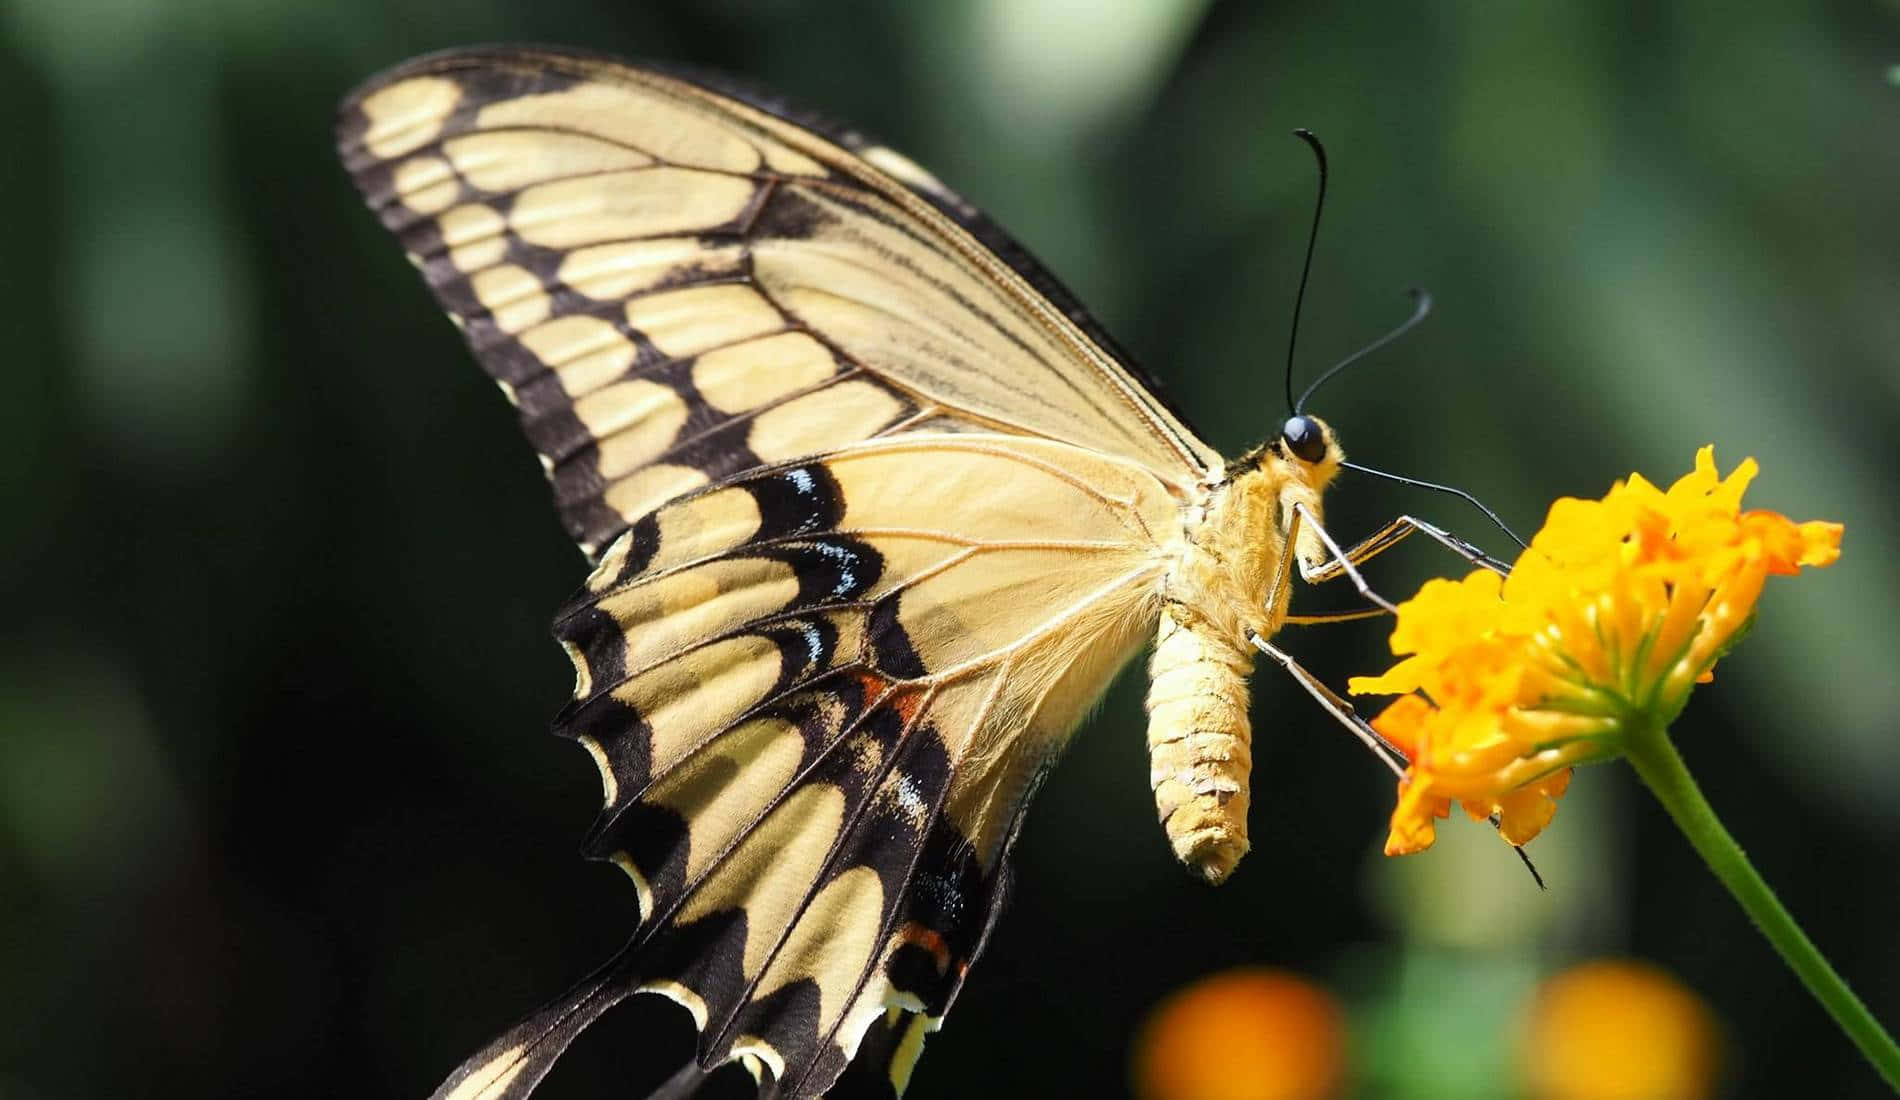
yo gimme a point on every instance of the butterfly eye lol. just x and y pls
(1304, 438)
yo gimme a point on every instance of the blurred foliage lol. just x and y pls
(273, 815)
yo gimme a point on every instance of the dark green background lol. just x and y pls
(276, 814)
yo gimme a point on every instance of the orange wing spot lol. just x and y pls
(871, 684)
(927, 938)
(904, 701)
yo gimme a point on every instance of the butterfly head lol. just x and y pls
(1305, 453)
(1305, 438)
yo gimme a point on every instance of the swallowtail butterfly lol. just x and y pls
(875, 512)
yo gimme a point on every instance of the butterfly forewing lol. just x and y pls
(674, 285)
(876, 516)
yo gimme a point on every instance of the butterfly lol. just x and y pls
(875, 512)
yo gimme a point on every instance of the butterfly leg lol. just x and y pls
(1327, 618)
(1389, 754)
(1393, 757)
(1283, 569)
(1339, 562)
(1343, 562)
(1396, 532)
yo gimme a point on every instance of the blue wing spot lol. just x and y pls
(847, 561)
(796, 501)
(814, 642)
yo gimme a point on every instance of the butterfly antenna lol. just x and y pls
(1306, 268)
(1421, 309)
(1437, 488)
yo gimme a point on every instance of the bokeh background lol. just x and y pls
(276, 812)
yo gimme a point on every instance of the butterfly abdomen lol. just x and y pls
(1199, 742)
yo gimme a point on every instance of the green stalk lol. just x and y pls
(1661, 767)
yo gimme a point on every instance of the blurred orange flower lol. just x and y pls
(1249, 1034)
(1613, 1030)
(1616, 611)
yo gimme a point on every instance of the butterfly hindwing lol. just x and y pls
(811, 780)
(674, 285)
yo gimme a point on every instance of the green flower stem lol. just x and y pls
(1661, 767)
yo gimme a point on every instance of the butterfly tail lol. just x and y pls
(885, 1057)
(512, 1065)
(683, 1085)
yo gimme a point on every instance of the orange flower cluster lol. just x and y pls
(1619, 607)
(1619, 1030)
(1604, 1029)
(1246, 1034)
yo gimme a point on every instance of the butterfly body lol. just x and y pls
(1219, 590)
(875, 514)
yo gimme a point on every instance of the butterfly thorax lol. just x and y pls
(1218, 590)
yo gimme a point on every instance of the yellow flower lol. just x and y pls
(1613, 1030)
(1619, 607)
(1247, 1034)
